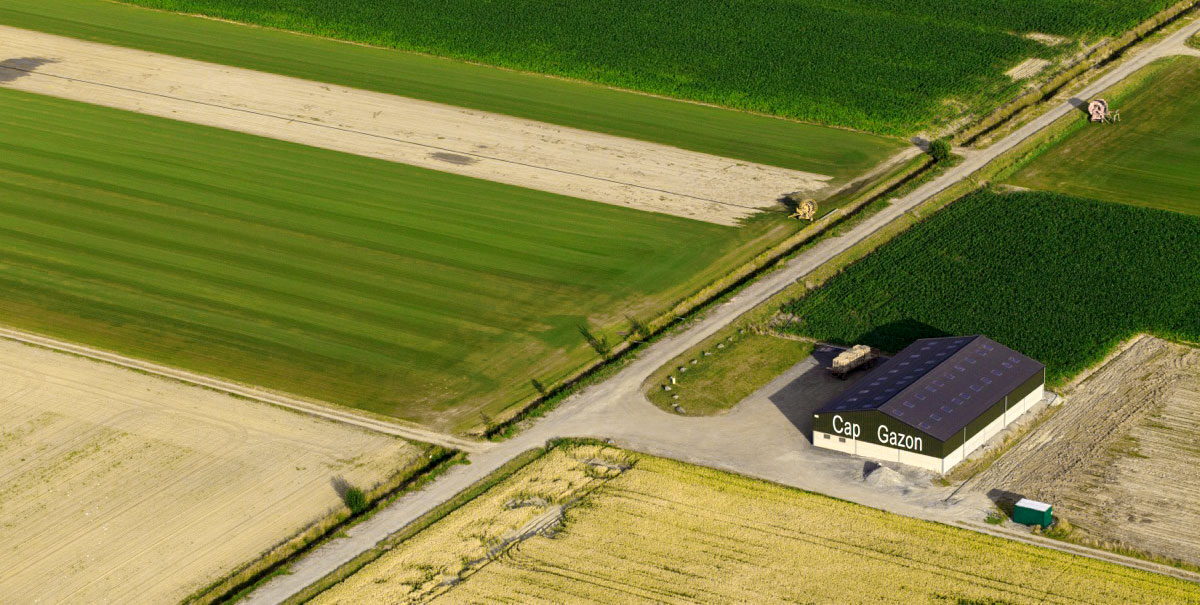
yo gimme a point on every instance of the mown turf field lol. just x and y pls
(665, 531)
(1151, 158)
(882, 66)
(1058, 278)
(404, 291)
(840, 153)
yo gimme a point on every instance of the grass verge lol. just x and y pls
(715, 375)
(849, 211)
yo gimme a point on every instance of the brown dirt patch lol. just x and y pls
(1027, 69)
(1119, 460)
(121, 487)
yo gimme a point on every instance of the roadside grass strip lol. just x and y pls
(665, 531)
(720, 372)
(1061, 279)
(412, 293)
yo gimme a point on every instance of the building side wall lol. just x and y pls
(830, 441)
(876, 452)
(988, 425)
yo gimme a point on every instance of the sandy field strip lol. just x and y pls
(530, 154)
(1120, 460)
(121, 487)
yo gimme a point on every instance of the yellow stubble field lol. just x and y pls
(121, 487)
(665, 531)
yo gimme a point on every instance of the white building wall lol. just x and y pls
(878, 452)
(830, 441)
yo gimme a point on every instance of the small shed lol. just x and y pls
(1032, 512)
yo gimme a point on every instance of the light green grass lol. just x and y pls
(407, 292)
(1151, 158)
(838, 153)
(729, 367)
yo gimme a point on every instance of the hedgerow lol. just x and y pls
(1061, 279)
(875, 65)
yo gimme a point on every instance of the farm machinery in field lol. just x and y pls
(806, 210)
(1098, 111)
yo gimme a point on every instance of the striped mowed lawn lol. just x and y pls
(422, 295)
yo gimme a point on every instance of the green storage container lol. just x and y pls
(1031, 512)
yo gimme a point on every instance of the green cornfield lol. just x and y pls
(881, 66)
(1061, 279)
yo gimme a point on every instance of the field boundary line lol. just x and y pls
(1084, 551)
(326, 411)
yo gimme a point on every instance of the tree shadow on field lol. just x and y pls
(340, 485)
(14, 69)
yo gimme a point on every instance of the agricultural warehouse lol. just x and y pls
(932, 404)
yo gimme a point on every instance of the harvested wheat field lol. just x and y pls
(535, 155)
(644, 529)
(121, 487)
(1120, 461)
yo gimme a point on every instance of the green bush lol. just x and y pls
(939, 150)
(355, 500)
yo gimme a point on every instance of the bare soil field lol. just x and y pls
(120, 487)
(526, 153)
(1119, 461)
(1027, 69)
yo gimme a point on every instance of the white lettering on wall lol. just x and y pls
(849, 429)
(888, 437)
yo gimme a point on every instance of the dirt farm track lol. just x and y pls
(529, 154)
(121, 487)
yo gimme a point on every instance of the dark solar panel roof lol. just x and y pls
(939, 385)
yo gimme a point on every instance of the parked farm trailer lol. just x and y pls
(858, 356)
